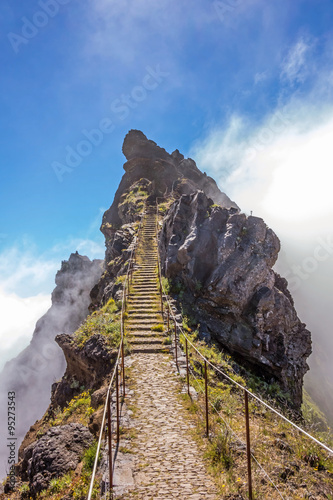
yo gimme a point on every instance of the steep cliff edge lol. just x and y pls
(32, 373)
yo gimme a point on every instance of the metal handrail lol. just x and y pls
(240, 386)
(120, 355)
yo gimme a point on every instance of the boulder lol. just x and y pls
(57, 452)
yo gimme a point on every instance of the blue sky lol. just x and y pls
(243, 87)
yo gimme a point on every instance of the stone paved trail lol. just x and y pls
(167, 462)
(164, 460)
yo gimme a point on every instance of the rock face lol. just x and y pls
(224, 262)
(54, 454)
(89, 365)
(32, 373)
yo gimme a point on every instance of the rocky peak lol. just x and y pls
(136, 145)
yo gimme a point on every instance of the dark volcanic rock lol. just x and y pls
(224, 259)
(54, 454)
(86, 367)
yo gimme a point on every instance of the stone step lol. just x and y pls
(140, 327)
(145, 306)
(148, 288)
(142, 322)
(144, 335)
(146, 341)
(146, 349)
(135, 316)
(150, 285)
(145, 282)
(137, 312)
(143, 301)
(140, 289)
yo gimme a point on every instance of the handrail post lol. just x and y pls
(187, 372)
(123, 366)
(161, 295)
(117, 396)
(168, 320)
(110, 442)
(176, 353)
(206, 397)
(248, 446)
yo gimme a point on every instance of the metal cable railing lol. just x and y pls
(246, 391)
(115, 372)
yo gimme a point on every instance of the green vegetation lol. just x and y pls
(72, 486)
(136, 198)
(89, 457)
(290, 458)
(79, 408)
(158, 328)
(105, 321)
(166, 285)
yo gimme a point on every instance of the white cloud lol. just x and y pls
(285, 161)
(24, 273)
(18, 319)
(295, 65)
(87, 247)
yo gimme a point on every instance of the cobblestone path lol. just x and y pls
(166, 460)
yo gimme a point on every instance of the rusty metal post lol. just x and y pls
(187, 372)
(168, 320)
(248, 446)
(123, 365)
(117, 396)
(206, 397)
(110, 442)
(176, 353)
(161, 295)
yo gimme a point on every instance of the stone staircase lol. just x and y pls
(143, 304)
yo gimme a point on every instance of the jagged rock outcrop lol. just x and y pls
(32, 373)
(87, 366)
(224, 261)
(54, 454)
